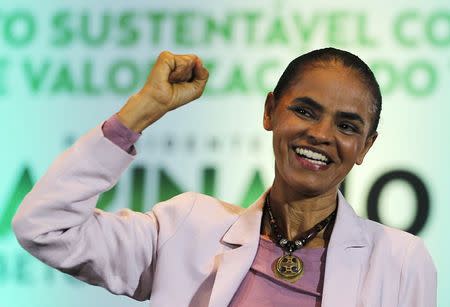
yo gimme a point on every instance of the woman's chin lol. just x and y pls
(309, 188)
(294, 180)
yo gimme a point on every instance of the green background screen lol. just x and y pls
(65, 67)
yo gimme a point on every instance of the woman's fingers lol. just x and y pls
(184, 69)
(173, 81)
(200, 72)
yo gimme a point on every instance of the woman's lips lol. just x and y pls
(307, 164)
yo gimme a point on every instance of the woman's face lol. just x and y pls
(320, 129)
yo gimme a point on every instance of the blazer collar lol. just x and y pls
(343, 255)
(246, 229)
(347, 231)
(234, 263)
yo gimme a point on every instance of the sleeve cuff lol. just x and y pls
(120, 135)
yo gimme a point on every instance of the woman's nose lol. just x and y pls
(320, 132)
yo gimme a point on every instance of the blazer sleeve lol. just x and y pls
(58, 223)
(418, 283)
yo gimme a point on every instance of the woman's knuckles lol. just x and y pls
(175, 80)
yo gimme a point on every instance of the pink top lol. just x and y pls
(260, 287)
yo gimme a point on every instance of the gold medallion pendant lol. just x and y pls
(288, 268)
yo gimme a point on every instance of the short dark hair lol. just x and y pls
(321, 57)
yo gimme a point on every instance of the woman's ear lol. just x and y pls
(269, 107)
(369, 142)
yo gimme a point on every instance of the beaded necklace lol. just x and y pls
(289, 267)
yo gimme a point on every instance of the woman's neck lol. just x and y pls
(296, 213)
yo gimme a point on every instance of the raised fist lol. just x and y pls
(173, 81)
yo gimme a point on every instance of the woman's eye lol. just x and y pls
(301, 111)
(348, 127)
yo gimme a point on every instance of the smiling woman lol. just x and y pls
(326, 109)
(300, 243)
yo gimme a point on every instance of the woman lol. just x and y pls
(299, 244)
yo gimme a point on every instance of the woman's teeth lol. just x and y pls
(313, 157)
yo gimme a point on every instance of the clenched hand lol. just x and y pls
(173, 81)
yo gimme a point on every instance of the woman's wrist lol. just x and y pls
(136, 114)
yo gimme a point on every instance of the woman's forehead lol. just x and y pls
(333, 85)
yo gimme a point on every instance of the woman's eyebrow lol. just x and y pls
(309, 102)
(313, 104)
(350, 116)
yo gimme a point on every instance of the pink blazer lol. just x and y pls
(194, 250)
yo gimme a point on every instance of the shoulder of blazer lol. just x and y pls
(403, 250)
(193, 210)
(379, 233)
(353, 230)
(394, 244)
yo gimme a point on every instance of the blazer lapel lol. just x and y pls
(234, 263)
(346, 251)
